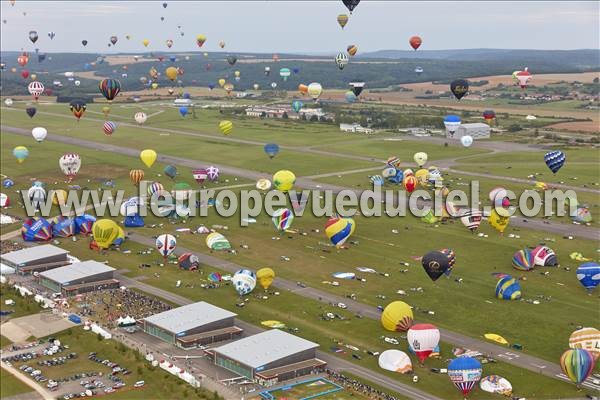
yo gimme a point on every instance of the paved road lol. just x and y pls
(519, 359)
(334, 362)
(303, 182)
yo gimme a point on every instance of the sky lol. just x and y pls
(299, 26)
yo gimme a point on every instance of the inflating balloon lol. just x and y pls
(508, 288)
(523, 260)
(423, 339)
(338, 230)
(166, 244)
(284, 180)
(395, 361)
(587, 339)
(397, 317)
(265, 277)
(105, 231)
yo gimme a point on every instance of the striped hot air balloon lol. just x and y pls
(282, 219)
(508, 288)
(555, 160)
(226, 127)
(523, 260)
(109, 127)
(136, 176)
(587, 339)
(109, 88)
(577, 364)
(464, 372)
(338, 230)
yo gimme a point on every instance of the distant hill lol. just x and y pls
(378, 69)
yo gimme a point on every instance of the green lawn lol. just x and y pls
(11, 386)
(23, 305)
(159, 384)
(4, 341)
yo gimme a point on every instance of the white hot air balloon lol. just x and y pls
(39, 133)
(244, 281)
(466, 141)
(395, 361)
(37, 195)
(423, 339)
(77, 83)
(140, 117)
(8, 102)
(35, 89)
(165, 244)
(70, 164)
(314, 90)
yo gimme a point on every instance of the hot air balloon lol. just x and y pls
(136, 176)
(69, 164)
(35, 89)
(471, 218)
(114, 39)
(60, 198)
(105, 231)
(285, 73)
(496, 384)
(36, 195)
(499, 219)
(200, 39)
(145, 42)
(165, 244)
(555, 160)
(140, 117)
(148, 157)
(588, 275)
(351, 4)
(171, 73)
(341, 60)
(508, 288)
(23, 59)
(109, 88)
(78, 108)
(466, 140)
(36, 229)
(25, 74)
(342, 20)
(423, 339)
(523, 260)
(183, 111)
(459, 88)
(282, 219)
(577, 364)
(244, 281)
(303, 89)
(263, 184)
(544, 256)
(350, 97)
(314, 90)
(226, 127)
(452, 122)
(170, 171)
(397, 317)
(265, 277)
(297, 105)
(212, 173)
(523, 78)
(222, 44)
(39, 134)
(109, 127)
(231, 60)
(20, 153)
(587, 339)
(357, 87)
(395, 361)
(464, 372)
(271, 149)
(199, 175)
(489, 116)
(216, 241)
(284, 180)
(415, 42)
(352, 50)
(155, 188)
(84, 42)
(435, 263)
(228, 88)
(51, 35)
(63, 227)
(420, 158)
(338, 230)
(33, 36)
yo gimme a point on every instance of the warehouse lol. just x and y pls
(36, 258)
(269, 357)
(193, 325)
(78, 278)
(476, 130)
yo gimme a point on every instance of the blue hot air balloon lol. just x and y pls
(508, 288)
(464, 372)
(183, 111)
(36, 229)
(63, 226)
(555, 160)
(186, 95)
(170, 171)
(588, 275)
(297, 105)
(295, 70)
(84, 223)
(271, 149)
(172, 58)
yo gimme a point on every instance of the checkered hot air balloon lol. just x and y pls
(555, 160)
(35, 89)
(109, 88)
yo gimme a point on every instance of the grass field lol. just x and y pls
(159, 384)
(23, 305)
(11, 386)
(384, 244)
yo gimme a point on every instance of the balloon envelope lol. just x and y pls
(395, 361)
(397, 316)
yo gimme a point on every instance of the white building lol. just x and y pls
(355, 128)
(476, 130)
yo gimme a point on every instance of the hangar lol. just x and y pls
(36, 258)
(269, 357)
(79, 277)
(193, 325)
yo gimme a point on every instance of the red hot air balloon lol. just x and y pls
(23, 59)
(25, 74)
(415, 42)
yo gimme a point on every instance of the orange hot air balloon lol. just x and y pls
(410, 183)
(136, 175)
(302, 88)
(23, 59)
(415, 42)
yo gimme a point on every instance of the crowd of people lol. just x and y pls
(353, 385)
(106, 306)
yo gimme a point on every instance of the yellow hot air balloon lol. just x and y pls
(148, 157)
(106, 110)
(226, 127)
(422, 175)
(499, 219)
(314, 90)
(200, 39)
(284, 180)
(236, 73)
(342, 20)
(105, 231)
(221, 82)
(145, 42)
(171, 73)
(420, 158)
(397, 317)
(59, 198)
(33, 77)
(265, 277)
(495, 338)
(154, 85)
(228, 88)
